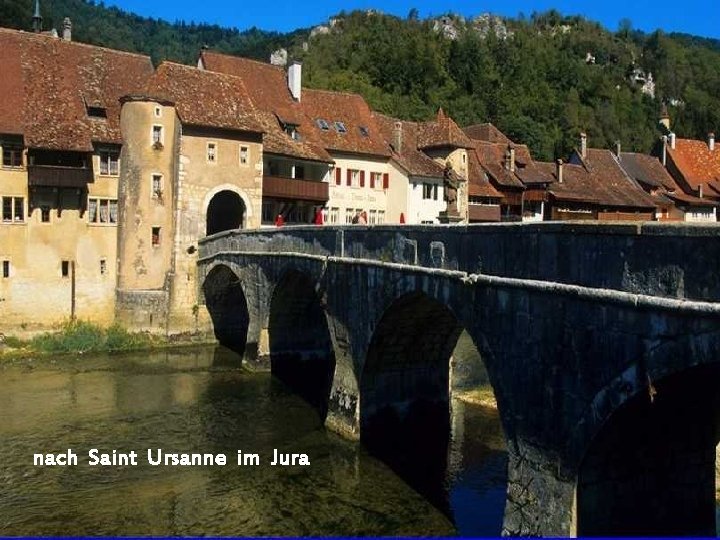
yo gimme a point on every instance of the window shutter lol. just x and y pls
(386, 181)
(372, 180)
(362, 178)
(338, 176)
(349, 177)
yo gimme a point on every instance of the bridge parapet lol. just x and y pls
(667, 260)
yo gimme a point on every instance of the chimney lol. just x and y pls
(664, 150)
(295, 79)
(583, 145)
(397, 137)
(559, 170)
(618, 148)
(711, 141)
(672, 141)
(510, 158)
(67, 29)
(37, 18)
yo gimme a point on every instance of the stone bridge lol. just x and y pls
(601, 342)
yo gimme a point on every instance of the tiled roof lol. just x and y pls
(620, 189)
(577, 185)
(442, 132)
(695, 161)
(46, 84)
(647, 170)
(204, 98)
(267, 87)
(491, 157)
(486, 132)
(478, 183)
(354, 113)
(410, 158)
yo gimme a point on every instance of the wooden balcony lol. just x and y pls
(278, 187)
(484, 212)
(60, 177)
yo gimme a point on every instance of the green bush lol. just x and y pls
(13, 342)
(85, 337)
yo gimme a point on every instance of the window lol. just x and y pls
(340, 127)
(6, 269)
(13, 209)
(157, 136)
(97, 112)
(291, 129)
(158, 112)
(349, 215)
(211, 152)
(103, 267)
(373, 217)
(155, 236)
(322, 124)
(109, 161)
(353, 177)
(334, 216)
(12, 156)
(45, 214)
(427, 191)
(381, 217)
(376, 180)
(244, 155)
(157, 186)
(365, 132)
(65, 269)
(102, 210)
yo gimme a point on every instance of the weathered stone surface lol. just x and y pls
(572, 321)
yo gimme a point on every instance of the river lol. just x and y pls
(197, 401)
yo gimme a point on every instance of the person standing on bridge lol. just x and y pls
(279, 220)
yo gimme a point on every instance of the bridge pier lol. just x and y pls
(539, 502)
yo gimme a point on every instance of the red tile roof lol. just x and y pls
(695, 162)
(620, 190)
(577, 185)
(354, 113)
(47, 83)
(486, 132)
(442, 132)
(267, 87)
(204, 98)
(410, 158)
(649, 171)
(478, 183)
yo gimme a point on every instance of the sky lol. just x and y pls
(699, 17)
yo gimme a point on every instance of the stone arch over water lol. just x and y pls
(406, 390)
(301, 349)
(228, 308)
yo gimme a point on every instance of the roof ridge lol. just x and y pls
(244, 58)
(339, 92)
(38, 37)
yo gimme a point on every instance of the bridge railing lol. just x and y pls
(671, 260)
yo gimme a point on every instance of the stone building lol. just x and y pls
(60, 143)
(296, 167)
(191, 166)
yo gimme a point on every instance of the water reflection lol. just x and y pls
(197, 401)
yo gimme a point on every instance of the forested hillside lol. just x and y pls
(541, 79)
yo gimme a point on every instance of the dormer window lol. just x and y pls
(322, 124)
(291, 129)
(96, 112)
(364, 131)
(340, 127)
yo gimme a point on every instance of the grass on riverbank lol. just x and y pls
(80, 337)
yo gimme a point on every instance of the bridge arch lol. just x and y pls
(226, 207)
(405, 396)
(648, 457)
(228, 308)
(301, 349)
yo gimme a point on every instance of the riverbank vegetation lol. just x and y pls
(80, 337)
